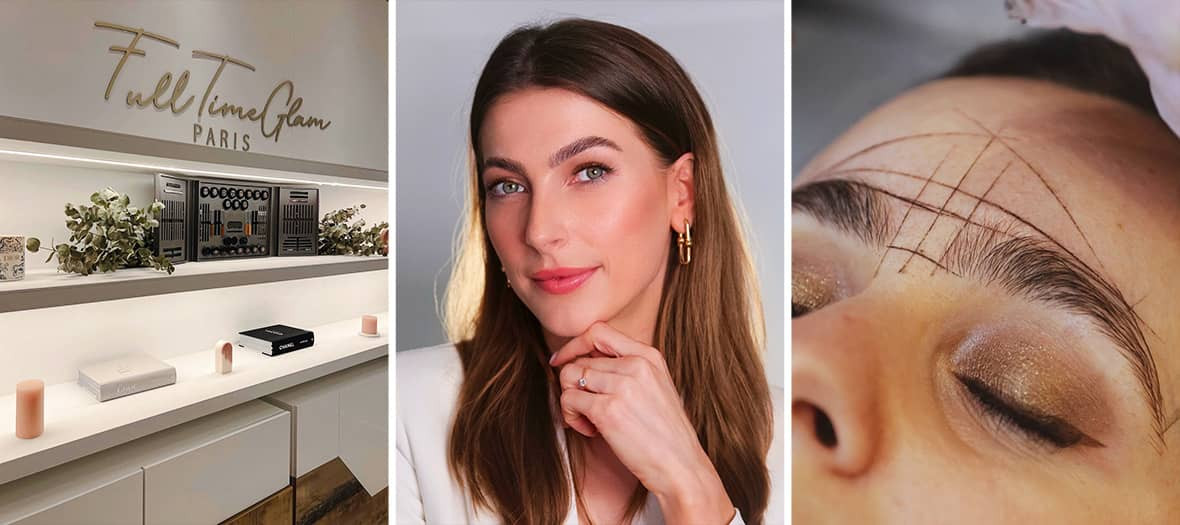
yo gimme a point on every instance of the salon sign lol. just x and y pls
(218, 120)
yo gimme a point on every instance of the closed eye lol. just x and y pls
(1038, 428)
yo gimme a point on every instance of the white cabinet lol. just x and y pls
(343, 415)
(83, 494)
(218, 467)
(199, 472)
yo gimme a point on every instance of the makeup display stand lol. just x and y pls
(77, 425)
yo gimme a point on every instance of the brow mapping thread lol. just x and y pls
(912, 251)
(897, 140)
(1059, 202)
(1043, 182)
(908, 210)
(978, 201)
(947, 201)
(1002, 209)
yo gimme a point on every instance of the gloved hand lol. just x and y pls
(1150, 28)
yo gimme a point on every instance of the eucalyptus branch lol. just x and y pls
(107, 235)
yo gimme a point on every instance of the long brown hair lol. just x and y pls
(503, 446)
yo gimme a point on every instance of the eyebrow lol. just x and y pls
(1024, 265)
(561, 155)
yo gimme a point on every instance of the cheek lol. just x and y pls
(627, 224)
(505, 225)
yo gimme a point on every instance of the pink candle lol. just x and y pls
(223, 357)
(30, 408)
(369, 324)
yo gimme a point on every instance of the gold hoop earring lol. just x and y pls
(684, 243)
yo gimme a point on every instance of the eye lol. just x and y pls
(505, 187)
(592, 173)
(1041, 429)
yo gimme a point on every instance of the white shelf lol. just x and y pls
(77, 425)
(47, 288)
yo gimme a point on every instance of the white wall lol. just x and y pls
(732, 50)
(55, 65)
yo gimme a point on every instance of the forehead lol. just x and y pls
(534, 121)
(1095, 176)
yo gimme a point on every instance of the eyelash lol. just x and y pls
(607, 171)
(1042, 430)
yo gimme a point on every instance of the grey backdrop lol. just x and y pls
(732, 50)
(850, 56)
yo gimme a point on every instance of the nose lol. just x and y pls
(836, 426)
(546, 228)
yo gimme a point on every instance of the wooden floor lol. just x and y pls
(328, 495)
(275, 510)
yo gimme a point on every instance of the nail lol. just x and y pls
(552, 357)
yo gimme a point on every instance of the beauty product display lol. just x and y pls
(298, 211)
(369, 326)
(30, 408)
(233, 220)
(12, 258)
(125, 375)
(276, 340)
(223, 357)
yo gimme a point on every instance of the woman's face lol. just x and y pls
(579, 210)
(985, 312)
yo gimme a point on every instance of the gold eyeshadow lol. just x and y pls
(1035, 376)
(811, 289)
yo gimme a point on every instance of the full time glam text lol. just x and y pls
(281, 109)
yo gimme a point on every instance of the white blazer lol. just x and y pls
(428, 382)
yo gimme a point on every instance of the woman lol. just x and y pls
(607, 365)
(983, 302)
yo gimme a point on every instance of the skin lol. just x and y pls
(561, 216)
(876, 355)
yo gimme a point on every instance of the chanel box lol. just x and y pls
(276, 340)
(126, 375)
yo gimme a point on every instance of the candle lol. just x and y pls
(30, 408)
(369, 324)
(223, 357)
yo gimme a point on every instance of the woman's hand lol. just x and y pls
(628, 398)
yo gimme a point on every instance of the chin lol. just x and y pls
(566, 316)
(566, 324)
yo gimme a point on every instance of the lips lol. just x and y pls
(562, 280)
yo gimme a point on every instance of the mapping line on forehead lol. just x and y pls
(913, 252)
(947, 201)
(978, 201)
(1043, 182)
(897, 232)
(863, 151)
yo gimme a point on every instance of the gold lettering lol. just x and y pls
(223, 59)
(265, 109)
(173, 102)
(177, 92)
(130, 49)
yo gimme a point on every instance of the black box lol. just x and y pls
(276, 340)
